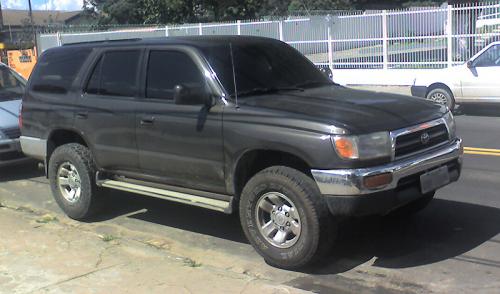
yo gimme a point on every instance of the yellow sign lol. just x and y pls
(22, 61)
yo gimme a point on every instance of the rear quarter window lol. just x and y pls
(57, 69)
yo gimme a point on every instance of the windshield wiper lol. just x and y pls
(260, 91)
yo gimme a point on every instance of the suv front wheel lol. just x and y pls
(285, 219)
(72, 180)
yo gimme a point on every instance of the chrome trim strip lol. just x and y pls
(34, 147)
(350, 181)
(405, 131)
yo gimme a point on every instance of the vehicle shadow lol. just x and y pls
(23, 171)
(445, 229)
(491, 110)
(171, 214)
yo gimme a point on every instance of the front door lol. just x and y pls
(179, 144)
(481, 81)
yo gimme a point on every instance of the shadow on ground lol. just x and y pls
(446, 229)
(492, 110)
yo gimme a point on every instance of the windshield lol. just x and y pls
(262, 66)
(11, 87)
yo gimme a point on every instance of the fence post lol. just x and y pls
(449, 35)
(238, 23)
(58, 37)
(200, 29)
(330, 49)
(280, 27)
(166, 31)
(385, 54)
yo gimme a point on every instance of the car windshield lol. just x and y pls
(11, 86)
(263, 67)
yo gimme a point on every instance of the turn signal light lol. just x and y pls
(377, 181)
(346, 148)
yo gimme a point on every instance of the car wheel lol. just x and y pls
(442, 96)
(414, 206)
(72, 180)
(285, 218)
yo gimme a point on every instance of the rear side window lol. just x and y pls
(56, 70)
(115, 74)
(167, 69)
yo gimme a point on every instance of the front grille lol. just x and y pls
(412, 142)
(12, 133)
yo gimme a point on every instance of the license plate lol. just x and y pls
(434, 179)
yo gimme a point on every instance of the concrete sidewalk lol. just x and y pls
(40, 253)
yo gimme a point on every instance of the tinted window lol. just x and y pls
(262, 64)
(11, 86)
(115, 74)
(490, 57)
(167, 69)
(57, 69)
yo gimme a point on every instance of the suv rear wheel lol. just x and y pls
(285, 218)
(72, 180)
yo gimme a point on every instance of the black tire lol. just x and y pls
(81, 158)
(318, 228)
(442, 92)
(414, 206)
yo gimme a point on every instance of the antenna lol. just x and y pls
(234, 73)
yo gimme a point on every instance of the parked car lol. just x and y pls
(475, 81)
(234, 124)
(11, 91)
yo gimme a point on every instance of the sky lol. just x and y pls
(43, 4)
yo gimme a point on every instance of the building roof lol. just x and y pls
(15, 17)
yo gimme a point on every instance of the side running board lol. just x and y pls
(209, 203)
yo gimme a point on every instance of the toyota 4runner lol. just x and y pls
(234, 124)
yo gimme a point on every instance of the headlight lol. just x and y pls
(376, 145)
(450, 123)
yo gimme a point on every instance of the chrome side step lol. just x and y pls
(209, 203)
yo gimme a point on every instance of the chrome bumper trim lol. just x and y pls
(350, 181)
(34, 147)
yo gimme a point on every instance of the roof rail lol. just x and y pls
(102, 41)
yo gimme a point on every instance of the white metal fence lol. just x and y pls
(432, 37)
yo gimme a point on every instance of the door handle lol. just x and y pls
(147, 121)
(82, 115)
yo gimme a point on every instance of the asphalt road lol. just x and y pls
(453, 246)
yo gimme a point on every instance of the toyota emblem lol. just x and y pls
(424, 138)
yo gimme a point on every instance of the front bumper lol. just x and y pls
(10, 153)
(346, 185)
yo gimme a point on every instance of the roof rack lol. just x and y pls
(103, 41)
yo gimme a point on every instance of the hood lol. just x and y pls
(354, 110)
(9, 113)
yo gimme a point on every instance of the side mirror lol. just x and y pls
(470, 64)
(327, 72)
(185, 95)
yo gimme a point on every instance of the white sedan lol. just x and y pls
(478, 80)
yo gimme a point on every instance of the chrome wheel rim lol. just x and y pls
(69, 182)
(278, 220)
(439, 98)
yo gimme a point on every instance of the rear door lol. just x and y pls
(179, 144)
(482, 80)
(106, 112)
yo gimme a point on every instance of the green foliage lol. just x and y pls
(189, 11)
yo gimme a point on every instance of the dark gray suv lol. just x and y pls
(233, 124)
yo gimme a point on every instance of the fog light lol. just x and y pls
(377, 181)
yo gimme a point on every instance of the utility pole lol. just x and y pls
(33, 26)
